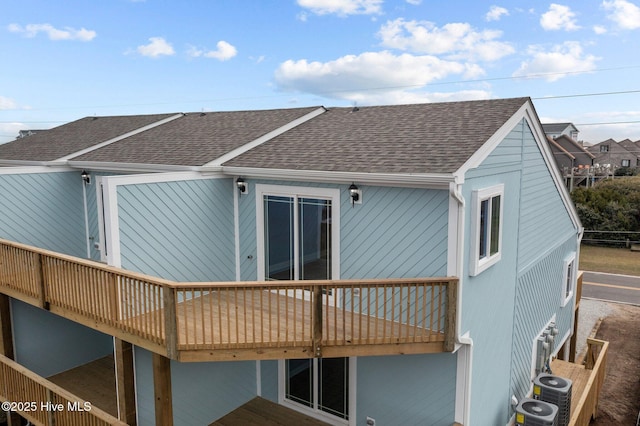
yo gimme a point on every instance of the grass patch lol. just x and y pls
(610, 260)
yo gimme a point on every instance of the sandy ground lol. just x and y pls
(620, 396)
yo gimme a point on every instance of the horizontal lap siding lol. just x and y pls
(181, 230)
(45, 210)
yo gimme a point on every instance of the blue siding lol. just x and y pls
(407, 389)
(395, 232)
(181, 231)
(48, 344)
(202, 392)
(538, 297)
(544, 216)
(45, 210)
(269, 379)
(505, 306)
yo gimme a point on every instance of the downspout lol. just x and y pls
(465, 339)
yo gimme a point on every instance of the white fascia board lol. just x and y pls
(413, 180)
(487, 148)
(130, 167)
(22, 163)
(528, 113)
(160, 177)
(119, 138)
(265, 138)
(547, 155)
(33, 169)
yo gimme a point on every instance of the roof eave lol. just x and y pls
(131, 167)
(423, 180)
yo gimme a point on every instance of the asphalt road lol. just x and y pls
(611, 287)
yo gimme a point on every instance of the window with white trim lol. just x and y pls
(486, 225)
(569, 279)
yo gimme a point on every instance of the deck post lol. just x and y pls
(6, 345)
(170, 321)
(317, 320)
(451, 315)
(44, 304)
(123, 352)
(162, 390)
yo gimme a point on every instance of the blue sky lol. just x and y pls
(62, 61)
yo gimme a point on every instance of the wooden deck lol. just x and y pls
(94, 382)
(241, 319)
(218, 321)
(261, 412)
(586, 381)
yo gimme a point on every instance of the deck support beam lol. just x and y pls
(6, 345)
(162, 390)
(123, 352)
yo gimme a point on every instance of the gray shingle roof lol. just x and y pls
(420, 138)
(196, 138)
(72, 137)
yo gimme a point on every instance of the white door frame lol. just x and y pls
(299, 192)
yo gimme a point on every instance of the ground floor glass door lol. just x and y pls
(320, 384)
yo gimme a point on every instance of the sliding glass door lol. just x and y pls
(298, 236)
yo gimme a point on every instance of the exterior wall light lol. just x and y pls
(242, 186)
(86, 177)
(355, 194)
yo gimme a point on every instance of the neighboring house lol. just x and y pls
(573, 160)
(634, 150)
(450, 238)
(616, 154)
(555, 130)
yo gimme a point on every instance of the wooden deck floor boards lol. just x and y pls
(261, 412)
(237, 319)
(578, 375)
(94, 382)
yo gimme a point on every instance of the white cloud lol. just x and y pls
(495, 13)
(342, 7)
(557, 63)
(559, 17)
(32, 30)
(7, 103)
(224, 52)
(459, 40)
(599, 29)
(414, 2)
(380, 77)
(157, 47)
(624, 13)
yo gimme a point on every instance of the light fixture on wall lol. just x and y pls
(86, 177)
(242, 186)
(355, 194)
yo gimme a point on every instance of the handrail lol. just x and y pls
(168, 317)
(45, 403)
(596, 361)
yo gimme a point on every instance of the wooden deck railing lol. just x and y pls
(596, 361)
(237, 320)
(44, 403)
